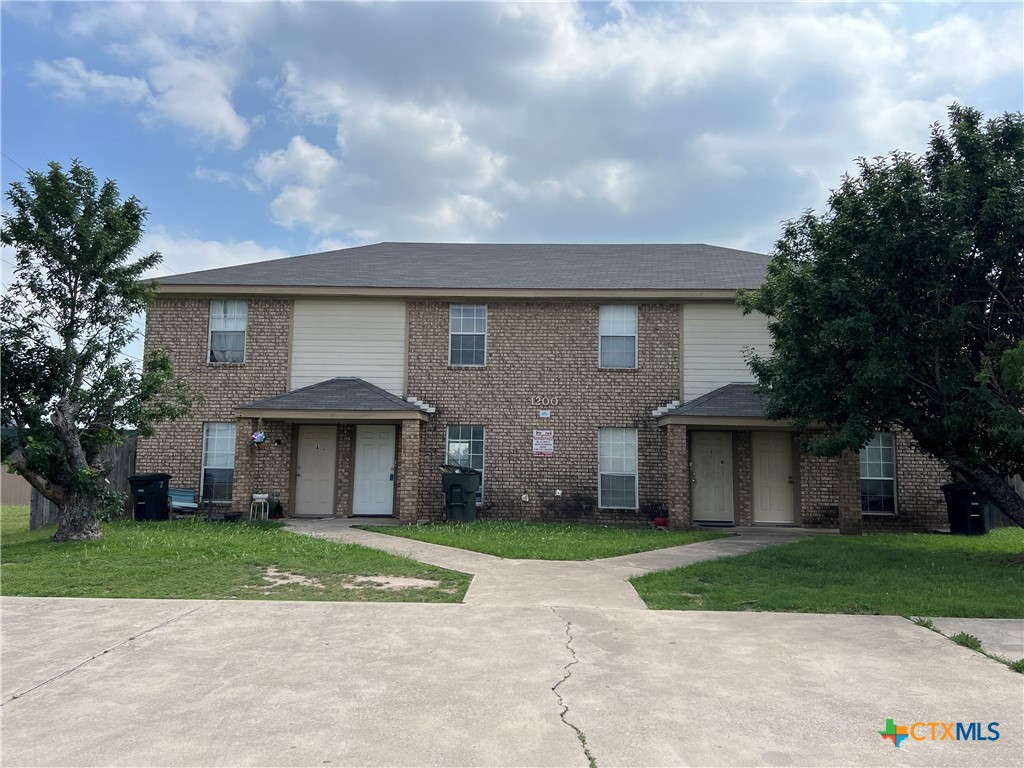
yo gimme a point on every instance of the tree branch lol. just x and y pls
(19, 463)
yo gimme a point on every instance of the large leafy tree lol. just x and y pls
(66, 388)
(902, 306)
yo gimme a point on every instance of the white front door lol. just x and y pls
(773, 477)
(711, 480)
(374, 488)
(314, 470)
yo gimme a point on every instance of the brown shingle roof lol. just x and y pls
(493, 266)
(341, 394)
(731, 401)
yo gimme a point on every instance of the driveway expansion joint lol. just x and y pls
(95, 656)
(591, 760)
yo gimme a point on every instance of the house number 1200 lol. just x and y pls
(546, 401)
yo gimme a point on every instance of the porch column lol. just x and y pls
(409, 472)
(677, 484)
(851, 518)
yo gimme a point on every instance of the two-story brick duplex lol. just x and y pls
(598, 382)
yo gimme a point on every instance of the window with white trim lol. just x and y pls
(617, 468)
(467, 333)
(878, 475)
(465, 448)
(617, 345)
(227, 330)
(218, 462)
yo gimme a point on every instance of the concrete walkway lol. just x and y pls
(547, 664)
(599, 584)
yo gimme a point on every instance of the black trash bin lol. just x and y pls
(149, 495)
(460, 485)
(969, 512)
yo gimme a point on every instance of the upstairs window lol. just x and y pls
(617, 468)
(618, 336)
(467, 327)
(465, 448)
(227, 331)
(878, 475)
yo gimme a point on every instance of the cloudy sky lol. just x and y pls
(258, 130)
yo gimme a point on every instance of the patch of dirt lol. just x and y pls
(391, 582)
(276, 578)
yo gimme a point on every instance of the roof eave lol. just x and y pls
(736, 422)
(319, 415)
(297, 291)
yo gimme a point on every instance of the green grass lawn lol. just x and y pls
(893, 574)
(546, 541)
(198, 559)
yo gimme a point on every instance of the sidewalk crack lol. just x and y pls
(81, 664)
(561, 701)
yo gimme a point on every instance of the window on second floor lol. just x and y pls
(467, 328)
(878, 475)
(227, 331)
(618, 336)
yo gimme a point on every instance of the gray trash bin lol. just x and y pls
(460, 485)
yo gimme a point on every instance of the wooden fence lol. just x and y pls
(44, 512)
(14, 489)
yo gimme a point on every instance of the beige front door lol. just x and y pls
(314, 470)
(711, 477)
(374, 487)
(773, 477)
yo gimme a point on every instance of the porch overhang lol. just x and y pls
(730, 422)
(313, 415)
(734, 406)
(337, 400)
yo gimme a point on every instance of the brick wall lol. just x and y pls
(544, 350)
(819, 491)
(181, 326)
(920, 504)
(677, 479)
(743, 477)
(919, 499)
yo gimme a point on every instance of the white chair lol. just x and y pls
(259, 509)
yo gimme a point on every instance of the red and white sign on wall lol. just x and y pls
(543, 442)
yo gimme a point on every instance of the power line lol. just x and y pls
(14, 161)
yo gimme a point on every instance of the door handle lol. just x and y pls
(391, 477)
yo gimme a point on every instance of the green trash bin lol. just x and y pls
(460, 485)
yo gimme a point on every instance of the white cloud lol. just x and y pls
(72, 80)
(557, 121)
(196, 95)
(187, 254)
(301, 161)
(964, 51)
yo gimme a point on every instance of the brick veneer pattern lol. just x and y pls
(181, 325)
(743, 470)
(544, 350)
(677, 481)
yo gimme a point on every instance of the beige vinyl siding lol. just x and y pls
(349, 337)
(715, 335)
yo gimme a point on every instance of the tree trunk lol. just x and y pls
(994, 486)
(77, 521)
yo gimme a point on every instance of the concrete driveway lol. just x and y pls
(131, 682)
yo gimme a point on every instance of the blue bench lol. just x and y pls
(182, 501)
